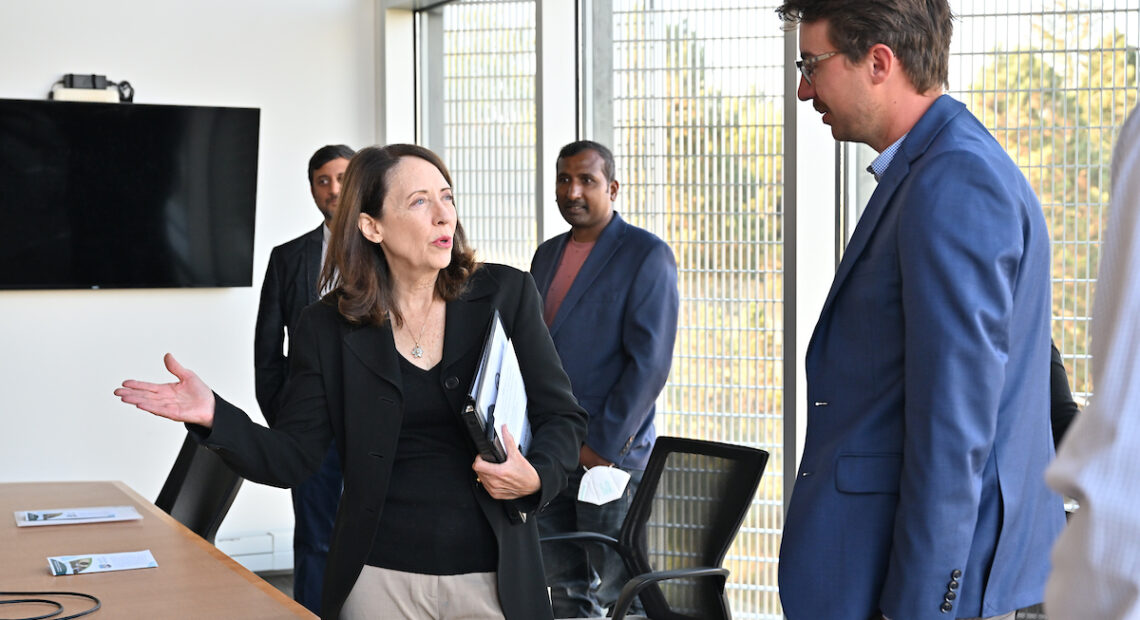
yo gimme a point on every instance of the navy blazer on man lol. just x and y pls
(920, 492)
(614, 332)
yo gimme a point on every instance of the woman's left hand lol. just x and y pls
(511, 479)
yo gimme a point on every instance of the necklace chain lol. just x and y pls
(417, 350)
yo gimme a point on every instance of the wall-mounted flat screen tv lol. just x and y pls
(121, 195)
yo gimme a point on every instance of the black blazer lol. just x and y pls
(345, 384)
(290, 285)
(1062, 406)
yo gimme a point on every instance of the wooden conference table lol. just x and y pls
(193, 578)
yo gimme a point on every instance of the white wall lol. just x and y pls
(309, 66)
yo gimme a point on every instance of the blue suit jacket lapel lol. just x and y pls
(608, 243)
(543, 273)
(917, 142)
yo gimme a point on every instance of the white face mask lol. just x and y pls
(602, 484)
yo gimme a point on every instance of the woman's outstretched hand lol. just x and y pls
(511, 479)
(186, 400)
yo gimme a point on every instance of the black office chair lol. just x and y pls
(685, 513)
(199, 490)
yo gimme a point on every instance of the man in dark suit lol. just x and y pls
(610, 300)
(290, 285)
(920, 491)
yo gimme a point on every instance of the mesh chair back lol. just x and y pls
(686, 513)
(199, 490)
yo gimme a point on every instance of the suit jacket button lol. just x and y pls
(945, 607)
(954, 574)
(451, 383)
(950, 596)
(953, 585)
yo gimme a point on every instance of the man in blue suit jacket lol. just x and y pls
(920, 492)
(611, 301)
(290, 285)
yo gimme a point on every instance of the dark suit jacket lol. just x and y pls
(921, 487)
(1063, 409)
(345, 385)
(290, 285)
(614, 332)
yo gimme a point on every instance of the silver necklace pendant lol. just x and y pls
(418, 351)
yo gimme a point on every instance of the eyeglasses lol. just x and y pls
(807, 65)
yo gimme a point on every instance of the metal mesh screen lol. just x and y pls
(690, 491)
(696, 114)
(697, 134)
(488, 118)
(1054, 81)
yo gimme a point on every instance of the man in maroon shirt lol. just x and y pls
(611, 302)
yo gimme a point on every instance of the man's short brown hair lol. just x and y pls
(917, 31)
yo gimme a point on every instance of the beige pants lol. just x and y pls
(392, 595)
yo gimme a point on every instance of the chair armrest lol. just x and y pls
(581, 537)
(593, 537)
(634, 586)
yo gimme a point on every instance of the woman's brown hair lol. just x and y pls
(355, 266)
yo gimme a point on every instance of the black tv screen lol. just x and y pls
(122, 195)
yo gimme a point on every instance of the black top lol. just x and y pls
(1063, 407)
(431, 522)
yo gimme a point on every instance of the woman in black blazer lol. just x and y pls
(382, 365)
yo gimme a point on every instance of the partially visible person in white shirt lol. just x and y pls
(1096, 561)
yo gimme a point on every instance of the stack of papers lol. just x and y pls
(100, 562)
(497, 397)
(64, 516)
(88, 562)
